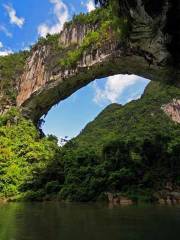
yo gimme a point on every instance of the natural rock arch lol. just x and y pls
(45, 82)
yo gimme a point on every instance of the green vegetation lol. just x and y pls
(139, 118)
(105, 28)
(72, 56)
(49, 40)
(11, 67)
(92, 18)
(131, 150)
(26, 160)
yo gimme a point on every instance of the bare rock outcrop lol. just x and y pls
(172, 109)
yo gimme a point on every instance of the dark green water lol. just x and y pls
(54, 221)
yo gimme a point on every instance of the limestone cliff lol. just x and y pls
(172, 109)
(89, 49)
(11, 68)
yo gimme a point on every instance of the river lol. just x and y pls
(57, 221)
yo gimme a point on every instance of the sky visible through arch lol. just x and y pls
(23, 22)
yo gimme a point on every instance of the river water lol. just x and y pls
(57, 221)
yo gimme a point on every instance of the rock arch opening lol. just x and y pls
(69, 117)
(86, 50)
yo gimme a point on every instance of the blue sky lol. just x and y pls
(22, 22)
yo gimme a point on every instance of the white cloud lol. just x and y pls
(19, 21)
(6, 52)
(60, 11)
(90, 5)
(114, 88)
(4, 29)
(3, 51)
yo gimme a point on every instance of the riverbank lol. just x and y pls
(164, 197)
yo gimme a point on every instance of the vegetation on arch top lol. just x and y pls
(92, 18)
(103, 26)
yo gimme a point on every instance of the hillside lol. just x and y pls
(137, 119)
(131, 150)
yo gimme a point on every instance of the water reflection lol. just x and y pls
(54, 221)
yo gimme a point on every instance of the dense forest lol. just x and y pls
(131, 150)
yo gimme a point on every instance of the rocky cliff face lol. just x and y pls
(45, 81)
(34, 75)
(74, 34)
(172, 109)
(11, 68)
(43, 86)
